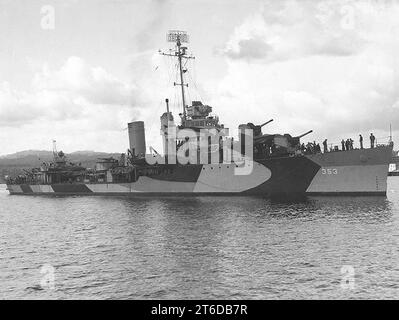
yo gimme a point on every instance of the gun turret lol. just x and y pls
(267, 122)
(305, 134)
(257, 129)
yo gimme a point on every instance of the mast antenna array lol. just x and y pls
(175, 35)
(179, 37)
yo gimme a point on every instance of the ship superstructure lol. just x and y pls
(199, 157)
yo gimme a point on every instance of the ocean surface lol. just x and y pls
(199, 247)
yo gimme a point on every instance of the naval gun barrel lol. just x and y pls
(267, 122)
(305, 134)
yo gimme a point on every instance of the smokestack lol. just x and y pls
(137, 138)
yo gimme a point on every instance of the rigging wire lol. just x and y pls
(195, 86)
(168, 66)
(195, 78)
(192, 78)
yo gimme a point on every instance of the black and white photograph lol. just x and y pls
(173, 152)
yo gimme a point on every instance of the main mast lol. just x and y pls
(180, 37)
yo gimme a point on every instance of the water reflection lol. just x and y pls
(200, 247)
(206, 244)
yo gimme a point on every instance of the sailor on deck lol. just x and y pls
(351, 143)
(325, 146)
(361, 141)
(372, 140)
(347, 144)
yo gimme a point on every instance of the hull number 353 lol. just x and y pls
(329, 171)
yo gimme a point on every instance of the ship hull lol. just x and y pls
(355, 172)
(352, 172)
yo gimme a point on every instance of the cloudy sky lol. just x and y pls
(78, 71)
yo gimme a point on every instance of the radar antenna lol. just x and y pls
(179, 37)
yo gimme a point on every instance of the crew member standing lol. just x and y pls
(343, 144)
(361, 141)
(325, 146)
(347, 142)
(372, 140)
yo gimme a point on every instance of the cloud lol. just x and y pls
(315, 69)
(158, 12)
(330, 66)
(291, 29)
(79, 105)
(250, 49)
(91, 83)
(75, 90)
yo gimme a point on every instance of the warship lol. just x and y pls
(199, 158)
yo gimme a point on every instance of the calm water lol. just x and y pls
(198, 247)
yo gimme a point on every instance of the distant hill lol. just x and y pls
(13, 164)
(27, 153)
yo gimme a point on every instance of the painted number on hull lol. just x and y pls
(329, 171)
